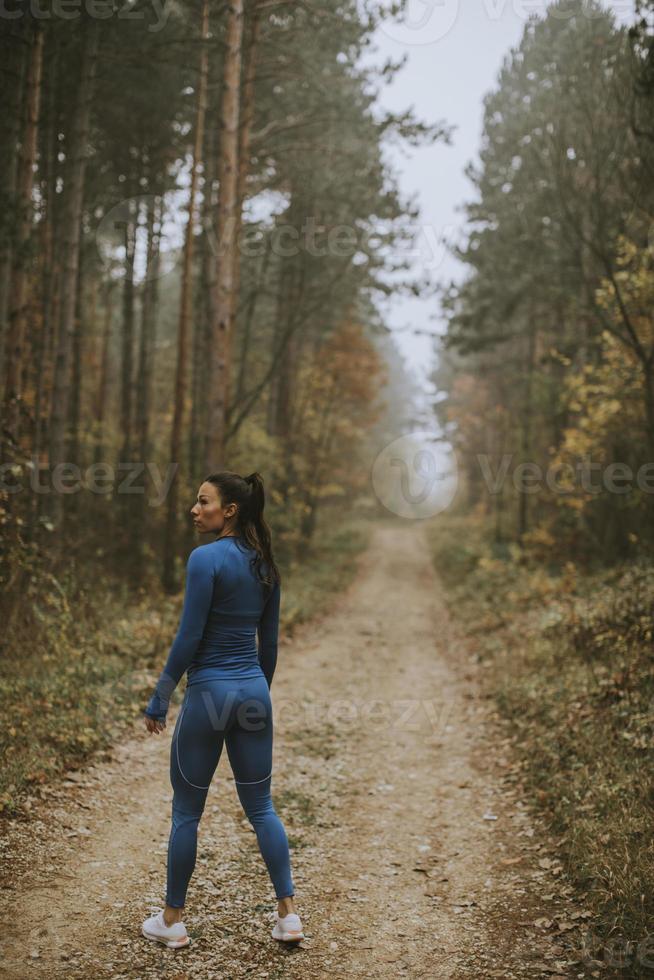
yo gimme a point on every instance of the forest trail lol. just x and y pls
(388, 770)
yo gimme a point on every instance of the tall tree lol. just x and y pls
(18, 296)
(71, 231)
(15, 49)
(227, 238)
(186, 309)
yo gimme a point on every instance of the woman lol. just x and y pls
(232, 592)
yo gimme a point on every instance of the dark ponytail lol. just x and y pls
(256, 530)
(249, 496)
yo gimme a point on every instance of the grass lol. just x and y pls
(81, 662)
(568, 657)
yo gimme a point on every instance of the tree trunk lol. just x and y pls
(148, 329)
(648, 381)
(13, 63)
(18, 294)
(245, 132)
(140, 513)
(127, 354)
(255, 292)
(185, 313)
(76, 386)
(73, 447)
(48, 169)
(288, 311)
(203, 322)
(101, 409)
(523, 511)
(227, 239)
(71, 233)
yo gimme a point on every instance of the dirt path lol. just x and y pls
(389, 770)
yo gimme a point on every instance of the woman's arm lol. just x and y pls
(268, 631)
(197, 603)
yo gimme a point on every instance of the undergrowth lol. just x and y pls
(568, 656)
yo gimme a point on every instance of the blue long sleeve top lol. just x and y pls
(226, 608)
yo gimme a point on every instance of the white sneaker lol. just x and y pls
(287, 928)
(174, 936)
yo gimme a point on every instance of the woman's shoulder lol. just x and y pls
(206, 553)
(220, 547)
(202, 554)
(209, 557)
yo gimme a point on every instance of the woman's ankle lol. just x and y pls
(172, 915)
(285, 906)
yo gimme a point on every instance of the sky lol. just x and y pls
(455, 52)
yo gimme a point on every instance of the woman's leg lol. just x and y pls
(195, 751)
(249, 747)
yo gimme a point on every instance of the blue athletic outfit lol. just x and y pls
(227, 700)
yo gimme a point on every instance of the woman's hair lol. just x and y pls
(248, 494)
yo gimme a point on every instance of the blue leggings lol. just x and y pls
(237, 711)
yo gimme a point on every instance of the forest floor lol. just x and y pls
(413, 853)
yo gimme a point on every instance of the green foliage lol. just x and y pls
(549, 351)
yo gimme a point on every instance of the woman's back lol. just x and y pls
(240, 606)
(225, 607)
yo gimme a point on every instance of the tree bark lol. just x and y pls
(245, 134)
(148, 329)
(523, 499)
(648, 384)
(18, 294)
(127, 347)
(49, 267)
(204, 321)
(221, 339)
(185, 313)
(76, 386)
(101, 405)
(73, 446)
(140, 514)
(248, 325)
(13, 66)
(71, 233)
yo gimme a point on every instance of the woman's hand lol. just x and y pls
(154, 726)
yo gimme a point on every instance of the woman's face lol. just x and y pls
(208, 513)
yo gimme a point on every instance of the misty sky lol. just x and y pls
(455, 49)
